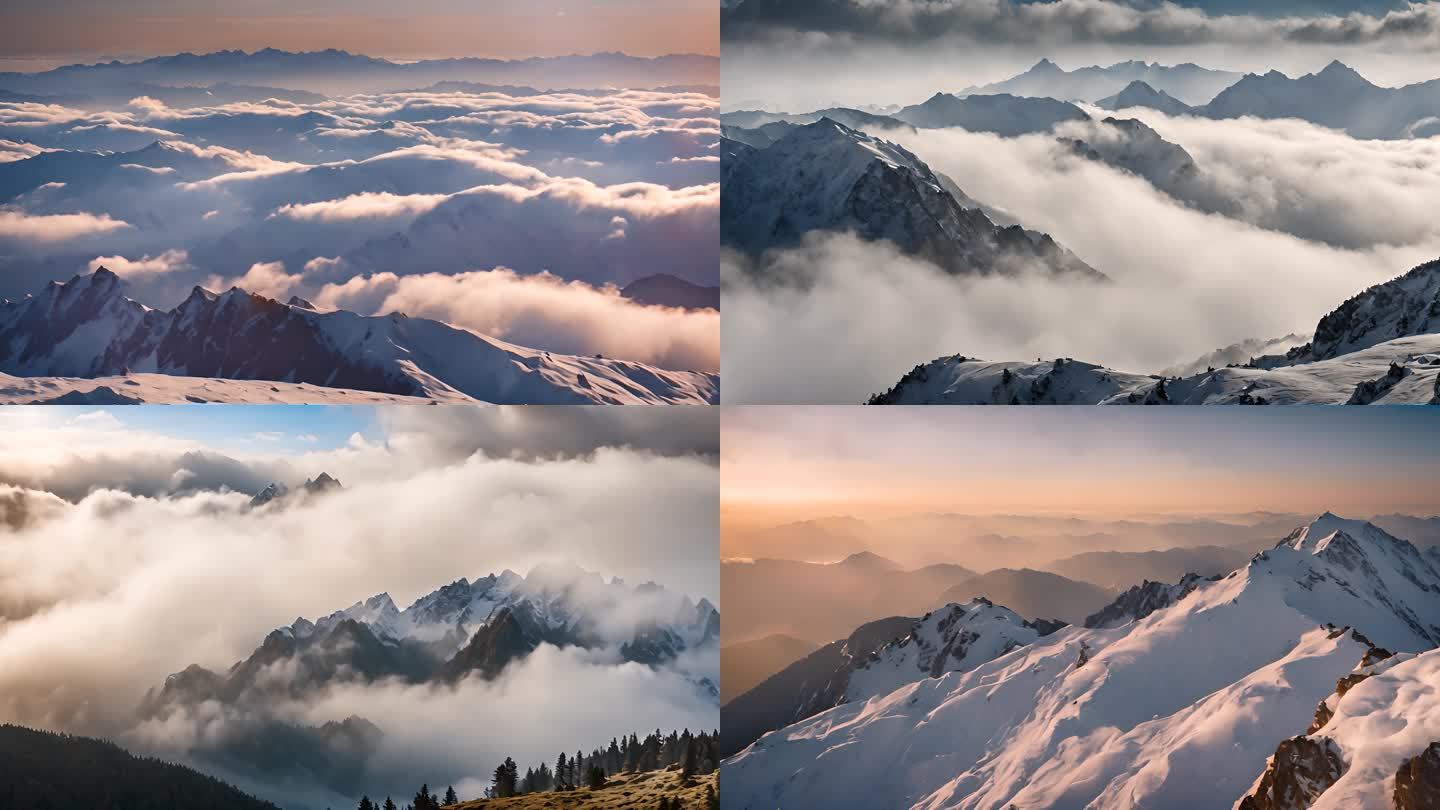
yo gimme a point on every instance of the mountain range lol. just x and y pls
(1188, 83)
(466, 629)
(1336, 97)
(1184, 696)
(87, 327)
(1381, 346)
(337, 71)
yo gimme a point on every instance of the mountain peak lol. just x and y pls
(1045, 66)
(868, 559)
(1319, 530)
(322, 483)
(1338, 69)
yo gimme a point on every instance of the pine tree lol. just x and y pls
(389, 804)
(366, 804)
(560, 769)
(688, 764)
(596, 777)
(577, 770)
(507, 779)
(450, 797)
(423, 800)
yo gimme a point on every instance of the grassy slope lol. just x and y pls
(640, 791)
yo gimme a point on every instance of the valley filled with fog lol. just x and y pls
(1228, 198)
(529, 208)
(314, 615)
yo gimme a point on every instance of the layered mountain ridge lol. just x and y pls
(87, 327)
(1180, 705)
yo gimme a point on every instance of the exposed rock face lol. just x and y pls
(1408, 305)
(1417, 783)
(1301, 770)
(1371, 390)
(510, 635)
(1143, 599)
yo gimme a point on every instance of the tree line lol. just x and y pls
(694, 754)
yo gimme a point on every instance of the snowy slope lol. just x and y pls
(1380, 724)
(170, 389)
(960, 380)
(88, 328)
(1177, 710)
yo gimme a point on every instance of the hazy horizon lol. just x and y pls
(71, 31)
(1001, 471)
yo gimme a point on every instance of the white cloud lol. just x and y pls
(364, 205)
(168, 262)
(50, 228)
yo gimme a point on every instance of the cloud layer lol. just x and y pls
(591, 186)
(1186, 282)
(93, 580)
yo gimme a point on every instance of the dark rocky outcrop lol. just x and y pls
(1301, 770)
(1417, 782)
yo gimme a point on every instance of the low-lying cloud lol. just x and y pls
(90, 582)
(1186, 283)
(50, 228)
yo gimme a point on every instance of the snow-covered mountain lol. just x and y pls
(1374, 742)
(1140, 94)
(1402, 307)
(826, 176)
(873, 660)
(1188, 82)
(955, 638)
(1179, 709)
(87, 327)
(276, 491)
(1380, 347)
(457, 629)
(1336, 97)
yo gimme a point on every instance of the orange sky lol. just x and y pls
(781, 464)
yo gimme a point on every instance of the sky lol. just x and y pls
(40, 34)
(797, 54)
(782, 463)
